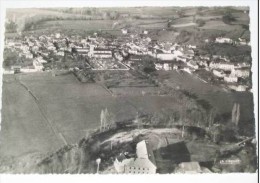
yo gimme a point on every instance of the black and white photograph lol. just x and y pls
(128, 90)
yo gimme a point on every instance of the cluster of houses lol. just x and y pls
(119, 53)
(240, 41)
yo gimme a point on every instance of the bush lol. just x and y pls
(10, 58)
(200, 22)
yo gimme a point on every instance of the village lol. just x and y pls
(97, 53)
(142, 90)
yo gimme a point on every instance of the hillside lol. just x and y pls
(155, 19)
(81, 157)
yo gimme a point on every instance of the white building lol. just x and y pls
(222, 65)
(165, 56)
(37, 65)
(145, 32)
(231, 79)
(241, 72)
(82, 51)
(143, 164)
(124, 31)
(223, 40)
(99, 52)
(193, 64)
(239, 88)
(218, 73)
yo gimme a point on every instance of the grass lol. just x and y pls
(219, 25)
(72, 107)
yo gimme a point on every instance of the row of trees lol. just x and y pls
(107, 119)
(10, 27)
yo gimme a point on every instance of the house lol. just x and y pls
(231, 79)
(242, 41)
(37, 65)
(218, 73)
(60, 53)
(192, 46)
(221, 65)
(181, 58)
(16, 68)
(145, 32)
(159, 66)
(92, 38)
(223, 40)
(165, 56)
(193, 64)
(164, 66)
(82, 51)
(28, 69)
(124, 31)
(41, 60)
(239, 88)
(206, 57)
(143, 164)
(243, 72)
(57, 35)
(118, 56)
(28, 55)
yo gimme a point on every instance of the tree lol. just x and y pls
(235, 113)
(200, 22)
(114, 15)
(106, 119)
(10, 58)
(11, 27)
(56, 45)
(199, 11)
(228, 18)
(138, 120)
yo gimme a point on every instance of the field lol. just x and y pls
(42, 113)
(87, 25)
(76, 21)
(221, 99)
